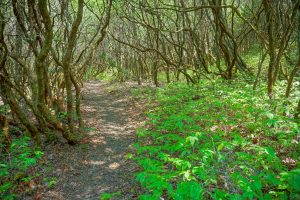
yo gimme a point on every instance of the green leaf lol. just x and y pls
(191, 140)
(107, 196)
(188, 190)
(148, 197)
(38, 154)
(9, 197)
(220, 146)
(129, 156)
(30, 161)
(294, 180)
(5, 187)
(269, 115)
(51, 183)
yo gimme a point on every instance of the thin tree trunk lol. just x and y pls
(67, 70)
(297, 67)
(77, 104)
(9, 98)
(263, 56)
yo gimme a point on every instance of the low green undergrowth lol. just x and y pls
(108, 196)
(17, 174)
(218, 140)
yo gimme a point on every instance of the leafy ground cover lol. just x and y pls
(18, 169)
(22, 165)
(218, 140)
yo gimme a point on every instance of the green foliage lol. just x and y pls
(143, 93)
(221, 141)
(290, 181)
(16, 165)
(107, 196)
(49, 182)
(4, 109)
(188, 190)
(62, 116)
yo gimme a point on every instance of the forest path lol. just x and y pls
(98, 164)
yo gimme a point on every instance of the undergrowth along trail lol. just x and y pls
(218, 141)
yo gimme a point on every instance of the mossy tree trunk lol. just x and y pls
(66, 64)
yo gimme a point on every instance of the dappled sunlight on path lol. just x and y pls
(98, 164)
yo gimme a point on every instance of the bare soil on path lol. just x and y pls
(98, 165)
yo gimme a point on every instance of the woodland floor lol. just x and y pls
(98, 165)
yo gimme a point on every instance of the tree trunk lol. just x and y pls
(297, 67)
(77, 104)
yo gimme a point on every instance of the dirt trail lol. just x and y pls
(98, 164)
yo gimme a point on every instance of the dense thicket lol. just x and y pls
(195, 39)
(48, 47)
